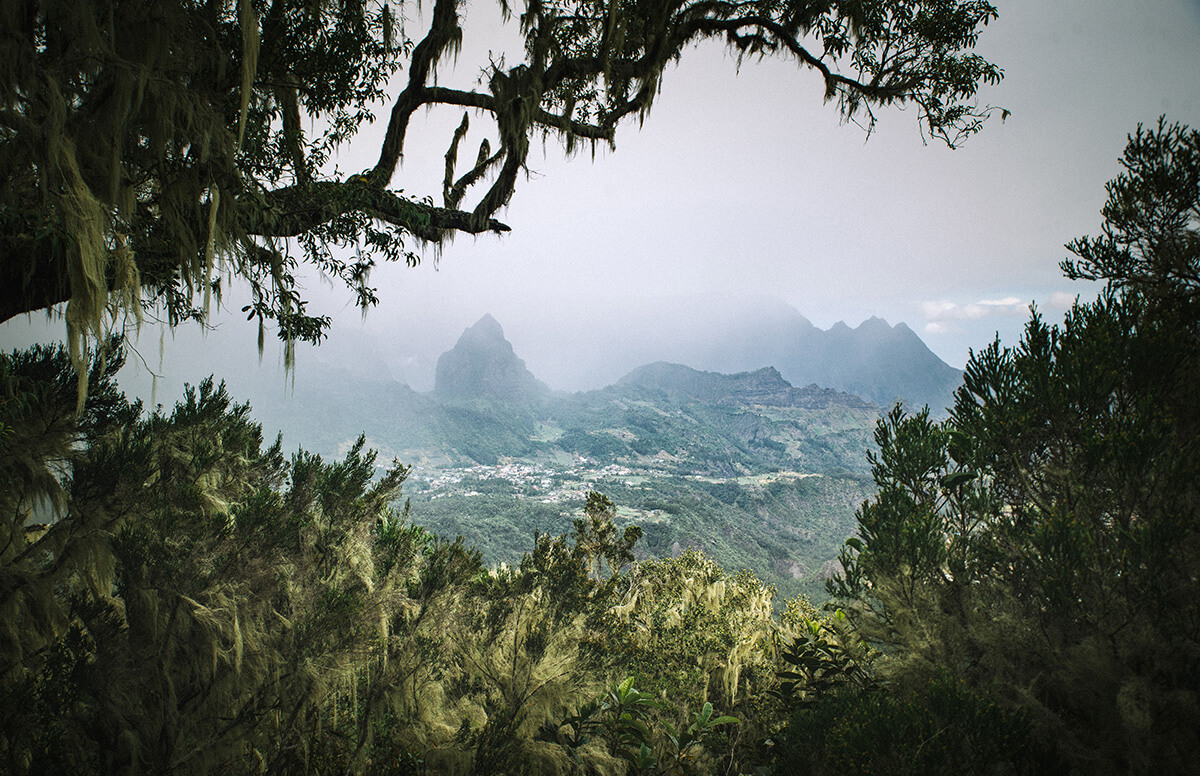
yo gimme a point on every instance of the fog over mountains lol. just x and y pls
(582, 349)
(562, 346)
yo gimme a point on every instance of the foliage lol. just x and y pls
(530, 641)
(151, 151)
(1148, 242)
(1042, 543)
(697, 635)
(693, 631)
(624, 720)
(596, 535)
(195, 602)
(822, 658)
(943, 727)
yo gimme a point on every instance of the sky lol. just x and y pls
(746, 183)
(743, 183)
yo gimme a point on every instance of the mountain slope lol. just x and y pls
(483, 365)
(877, 361)
(764, 386)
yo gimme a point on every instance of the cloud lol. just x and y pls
(942, 311)
(1061, 300)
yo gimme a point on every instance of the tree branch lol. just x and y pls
(294, 210)
(444, 30)
(782, 37)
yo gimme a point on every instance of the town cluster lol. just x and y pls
(545, 482)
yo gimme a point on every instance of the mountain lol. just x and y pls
(729, 335)
(483, 365)
(877, 361)
(764, 386)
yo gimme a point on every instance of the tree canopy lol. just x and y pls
(149, 149)
(179, 597)
(1042, 544)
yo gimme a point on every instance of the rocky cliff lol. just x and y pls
(482, 365)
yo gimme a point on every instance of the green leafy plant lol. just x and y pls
(624, 716)
(819, 663)
(685, 742)
(633, 725)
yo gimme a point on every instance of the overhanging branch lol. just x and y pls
(294, 210)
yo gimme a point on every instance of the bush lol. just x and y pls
(941, 727)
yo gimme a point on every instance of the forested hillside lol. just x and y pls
(756, 473)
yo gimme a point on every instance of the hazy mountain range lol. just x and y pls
(572, 351)
(487, 406)
(750, 469)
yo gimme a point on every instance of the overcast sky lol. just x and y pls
(745, 183)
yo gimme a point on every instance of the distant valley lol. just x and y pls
(736, 427)
(747, 467)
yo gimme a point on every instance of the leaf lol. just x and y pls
(645, 758)
(672, 733)
(958, 479)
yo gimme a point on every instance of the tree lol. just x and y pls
(1043, 543)
(1150, 244)
(596, 536)
(149, 149)
(177, 597)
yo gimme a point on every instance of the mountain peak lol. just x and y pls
(483, 365)
(486, 329)
(705, 386)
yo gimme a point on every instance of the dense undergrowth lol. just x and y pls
(180, 597)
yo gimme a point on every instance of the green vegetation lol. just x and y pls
(181, 598)
(1042, 546)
